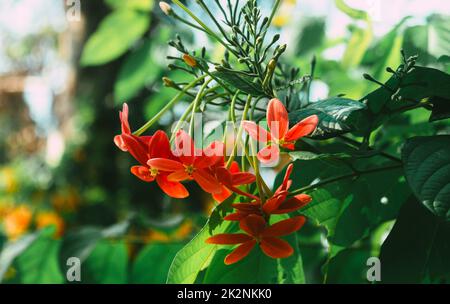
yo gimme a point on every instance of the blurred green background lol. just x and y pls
(66, 190)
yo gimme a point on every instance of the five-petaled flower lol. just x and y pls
(280, 134)
(258, 232)
(192, 164)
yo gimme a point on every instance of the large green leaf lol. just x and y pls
(351, 207)
(256, 268)
(336, 116)
(138, 70)
(38, 264)
(417, 248)
(13, 249)
(116, 33)
(429, 41)
(348, 267)
(153, 262)
(80, 243)
(419, 83)
(427, 169)
(107, 264)
(195, 256)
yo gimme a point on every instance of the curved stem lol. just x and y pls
(169, 105)
(345, 176)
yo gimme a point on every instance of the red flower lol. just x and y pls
(159, 146)
(192, 163)
(257, 232)
(230, 179)
(277, 204)
(142, 148)
(135, 144)
(280, 134)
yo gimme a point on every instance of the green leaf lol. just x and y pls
(427, 169)
(386, 53)
(305, 155)
(256, 268)
(116, 33)
(38, 264)
(195, 256)
(138, 70)
(419, 83)
(348, 267)
(13, 249)
(153, 262)
(430, 41)
(336, 116)
(312, 35)
(441, 108)
(81, 243)
(143, 5)
(349, 208)
(241, 82)
(417, 248)
(107, 264)
(290, 269)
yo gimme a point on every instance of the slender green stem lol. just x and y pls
(241, 129)
(209, 31)
(169, 105)
(196, 102)
(345, 176)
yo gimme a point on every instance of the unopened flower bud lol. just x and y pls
(166, 8)
(168, 82)
(189, 60)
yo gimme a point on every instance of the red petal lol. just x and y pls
(302, 128)
(237, 216)
(240, 252)
(179, 176)
(124, 119)
(273, 203)
(206, 181)
(293, 204)
(224, 176)
(172, 189)
(284, 227)
(269, 154)
(229, 239)
(287, 175)
(159, 146)
(255, 131)
(242, 178)
(276, 248)
(164, 164)
(184, 147)
(234, 168)
(143, 173)
(248, 207)
(223, 195)
(118, 140)
(253, 225)
(214, 153)
(136, 148)
(277, 118)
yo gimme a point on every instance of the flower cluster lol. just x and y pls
(170, 166)
(254, 220)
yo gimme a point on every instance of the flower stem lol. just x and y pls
(195, 106)
(169, 105)
(345, 176)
